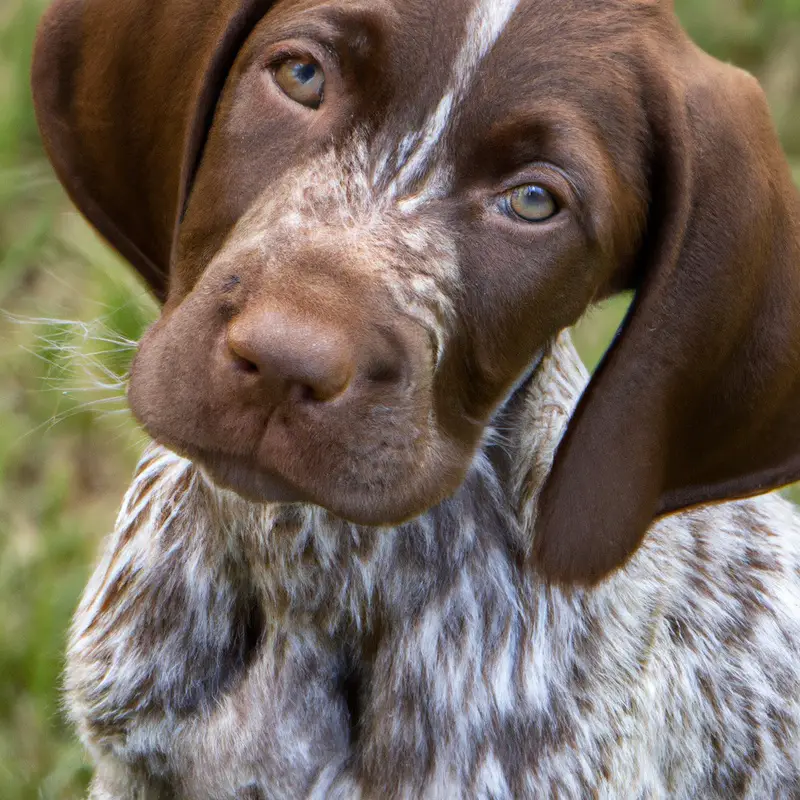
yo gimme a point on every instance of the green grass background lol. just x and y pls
(67, 447)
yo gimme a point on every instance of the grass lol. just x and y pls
(67, 447)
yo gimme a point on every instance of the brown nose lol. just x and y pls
(292, 355)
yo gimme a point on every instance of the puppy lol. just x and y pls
(390, 542)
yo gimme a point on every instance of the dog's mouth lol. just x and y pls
(370, 488)
(262, 482)
(374, 454)
(250, 481)
(240, 473)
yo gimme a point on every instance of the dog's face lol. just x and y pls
(367, 218)
(384, 230)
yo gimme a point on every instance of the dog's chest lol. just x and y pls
(420, 661)
(426, 698)
(398, 655)
(397, 662)
(284, 656)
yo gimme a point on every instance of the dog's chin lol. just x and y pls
(252, 483)
(260, 485)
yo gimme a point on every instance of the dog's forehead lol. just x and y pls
(430, 49)
(430, 57)
(507, 60)
(413, 165)
(429, 101)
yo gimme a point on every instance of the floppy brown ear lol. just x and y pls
(124, 91)
(698, 399)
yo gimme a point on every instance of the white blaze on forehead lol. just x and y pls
(487, 21)
(485, 24)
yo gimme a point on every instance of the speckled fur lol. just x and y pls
(229, 650)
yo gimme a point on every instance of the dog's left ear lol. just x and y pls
(698, 398)
(124, 92)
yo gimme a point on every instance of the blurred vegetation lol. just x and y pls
(67, 446)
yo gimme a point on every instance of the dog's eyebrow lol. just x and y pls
(558, 134)
(353, 28)
(416, 153)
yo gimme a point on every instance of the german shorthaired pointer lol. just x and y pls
(391, 542)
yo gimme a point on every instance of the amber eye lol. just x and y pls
(303, 80)
(532, 203)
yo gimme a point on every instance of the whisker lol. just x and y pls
(86, 366)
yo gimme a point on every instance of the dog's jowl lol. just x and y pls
(390, 541)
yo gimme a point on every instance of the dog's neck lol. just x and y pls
(525, 431)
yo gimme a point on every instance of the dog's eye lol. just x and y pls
(532, 203)
(301, 79)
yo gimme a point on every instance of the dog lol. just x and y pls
(390, 539)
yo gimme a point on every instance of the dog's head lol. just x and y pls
(366, 217)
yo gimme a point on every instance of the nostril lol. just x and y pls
(321, 393)
(244, 365)
(384, 372)
(323, 386)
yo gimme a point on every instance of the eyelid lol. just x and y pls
(550, 177)
(322, 52)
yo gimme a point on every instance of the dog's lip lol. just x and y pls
(251, 481)
(239, 474)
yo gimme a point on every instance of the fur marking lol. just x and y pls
(417, 154)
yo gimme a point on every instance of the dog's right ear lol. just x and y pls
(124, 92)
